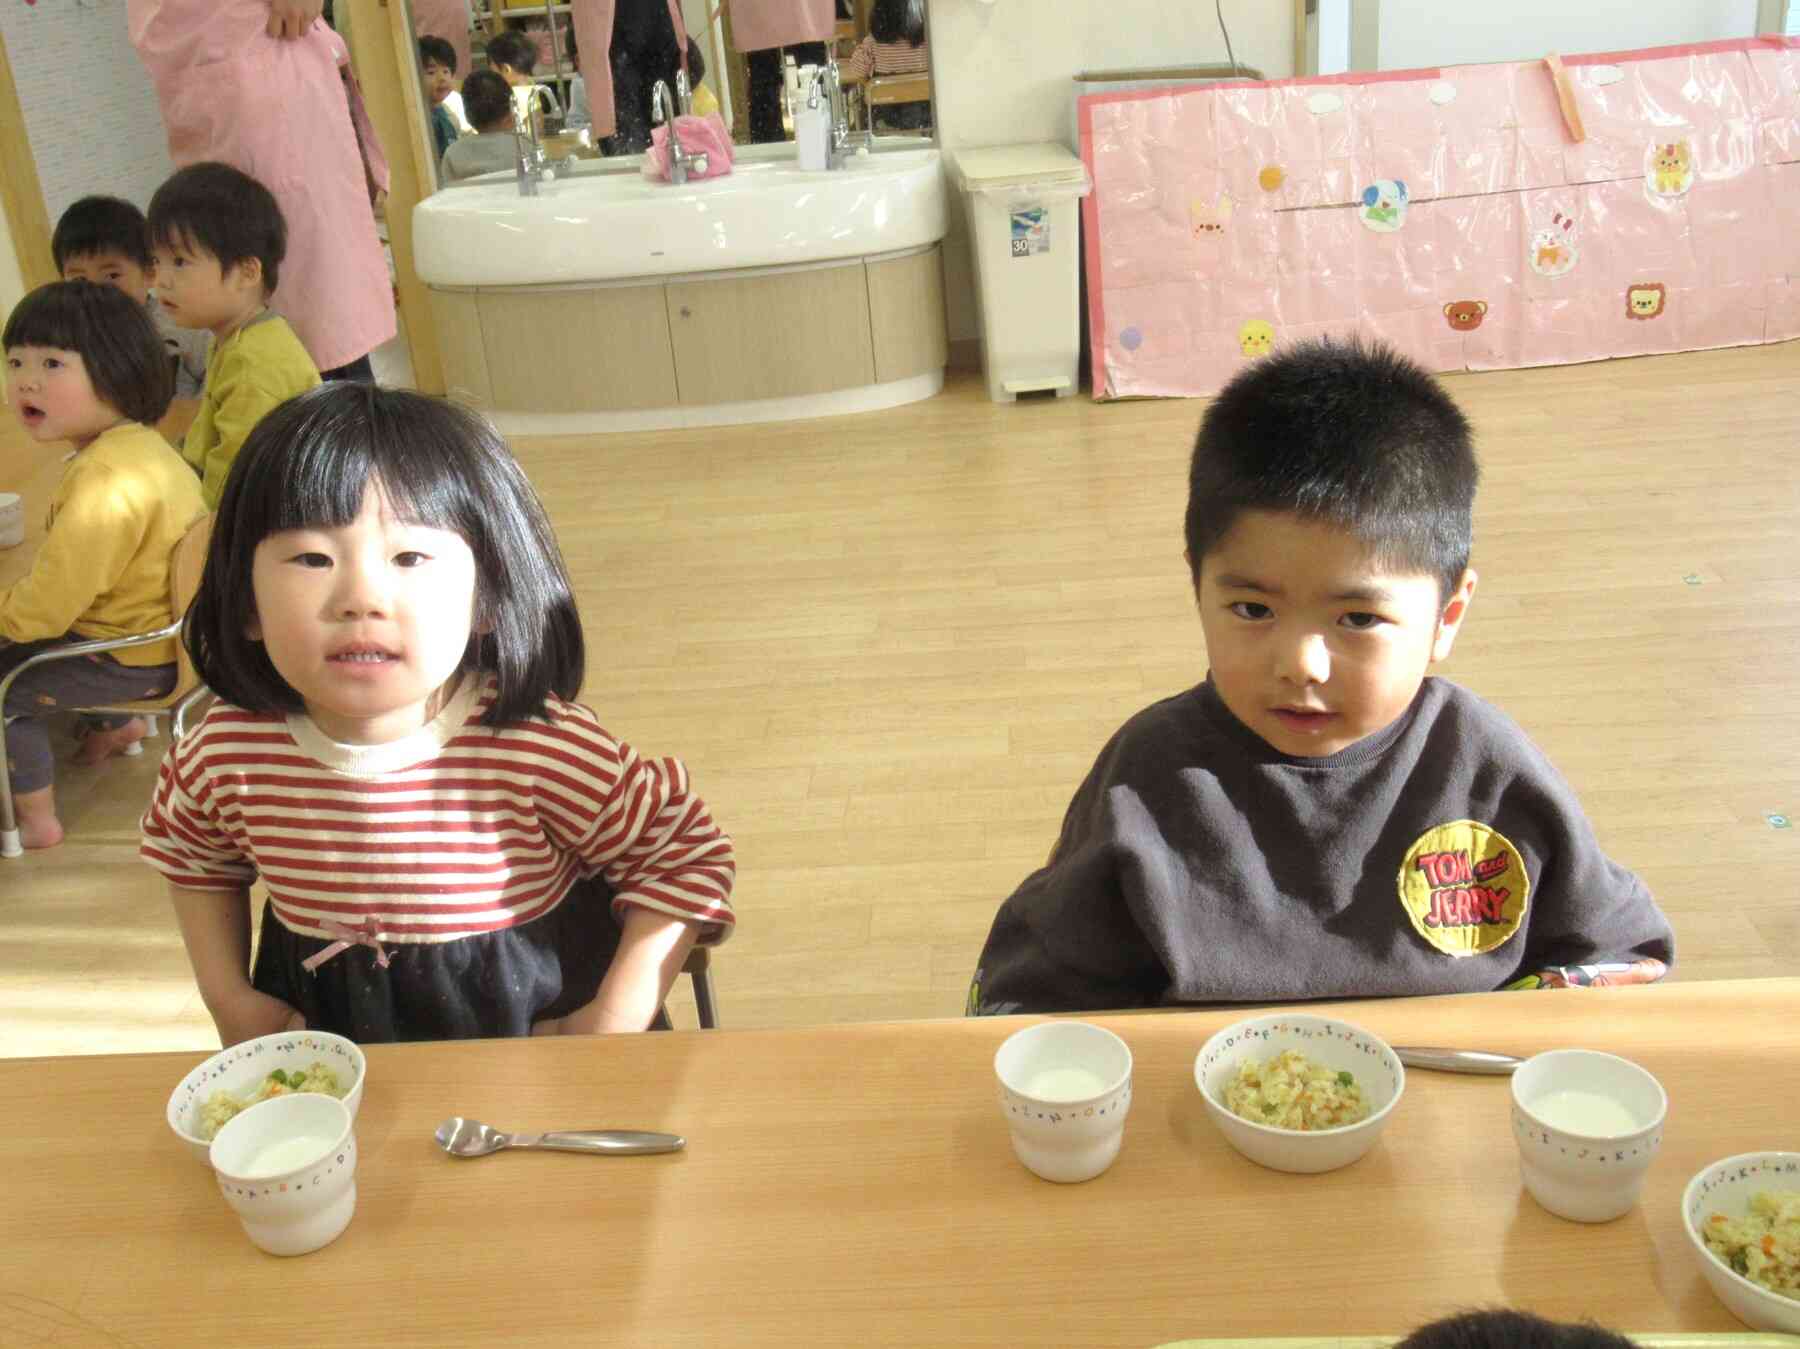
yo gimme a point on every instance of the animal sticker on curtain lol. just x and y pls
(1383, 207)
(1645, 299)
(1465, 316)
(1552, 250)
(1210, 221)
(1669, 171)
(1256, 337)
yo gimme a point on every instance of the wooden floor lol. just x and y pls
(889, 645)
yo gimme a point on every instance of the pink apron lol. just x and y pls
(756, 24)
(448, 19)
(277, 109)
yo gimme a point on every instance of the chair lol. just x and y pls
(699, 967)
(185, 566)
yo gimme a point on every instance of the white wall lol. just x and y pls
(90, 111)
(1002, 75)
(1433, 33)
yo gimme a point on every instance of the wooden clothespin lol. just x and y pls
(1565, 98)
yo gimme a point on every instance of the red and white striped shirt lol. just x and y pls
(873, 59)
(456, 830)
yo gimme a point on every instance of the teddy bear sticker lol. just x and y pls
(1465, 316)
(1669, 170)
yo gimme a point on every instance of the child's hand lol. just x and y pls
(249, 1014)
(291, 18)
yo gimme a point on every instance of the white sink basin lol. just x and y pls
(609, 226)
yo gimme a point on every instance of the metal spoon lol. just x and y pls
(1457, 1060)
(471, 1138)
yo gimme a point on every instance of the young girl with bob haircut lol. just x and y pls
(452, 847)
(84, 366)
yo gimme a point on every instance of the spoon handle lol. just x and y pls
(1456, 1060)
(618, 1142)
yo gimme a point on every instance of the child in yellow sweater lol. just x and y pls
(84, 365)
(219, 239)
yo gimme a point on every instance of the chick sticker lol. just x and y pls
(1464, 888)
(1256, 337)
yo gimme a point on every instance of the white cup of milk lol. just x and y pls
(1065, 1089)
(1587, 1125)
(12, 520)
(287, 1165)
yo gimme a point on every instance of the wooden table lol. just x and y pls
(854, 1185)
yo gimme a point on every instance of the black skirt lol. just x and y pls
(490, 985)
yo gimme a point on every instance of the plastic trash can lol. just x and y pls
(1025, 235)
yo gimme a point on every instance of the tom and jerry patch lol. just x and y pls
(1464, 887)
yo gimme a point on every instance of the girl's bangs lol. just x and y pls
(322, 479)
(48, 317)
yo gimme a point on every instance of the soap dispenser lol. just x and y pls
(812, 129)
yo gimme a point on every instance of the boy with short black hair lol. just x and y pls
(1318, 819)
(437, 58)
(489, 103)
(106, 239)
(219, 239)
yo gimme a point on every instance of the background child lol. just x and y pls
(219, 239)
(489, 104)
(447, 841)
(895, 45)
(513, 56)
(84, 365)
(1318, 819)
(107, 239)
(438, 59)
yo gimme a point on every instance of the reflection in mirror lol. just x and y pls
(879, 48)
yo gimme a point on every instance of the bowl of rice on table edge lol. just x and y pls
(245, 1074)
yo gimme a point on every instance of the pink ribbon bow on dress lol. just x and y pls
(369, 935)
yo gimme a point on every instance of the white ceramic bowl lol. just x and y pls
(1337, 1045)
(288, 1167)
(1065, 1089)
(1583, 1174)
(1726, 1187)
(242, 1067)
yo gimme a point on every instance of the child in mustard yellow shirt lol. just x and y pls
(84, 365)
(219, 239)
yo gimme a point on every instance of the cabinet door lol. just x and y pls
(906, 315)
(600, 350)
(778, 336)
(459, 343)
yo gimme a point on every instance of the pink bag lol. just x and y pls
(699, 136)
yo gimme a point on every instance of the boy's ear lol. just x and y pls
(253, 627)
(1450, 621)
(249, 271)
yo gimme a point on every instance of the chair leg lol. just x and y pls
(704, 1001)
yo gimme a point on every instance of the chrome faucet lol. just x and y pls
(525, 163)
(844, 141)
(662, 108)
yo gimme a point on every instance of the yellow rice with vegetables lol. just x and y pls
(1290, 1091)
(222, 1106)
(1764, 1244)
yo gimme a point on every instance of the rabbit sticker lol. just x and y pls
(1209, 222)
(1552, 250)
